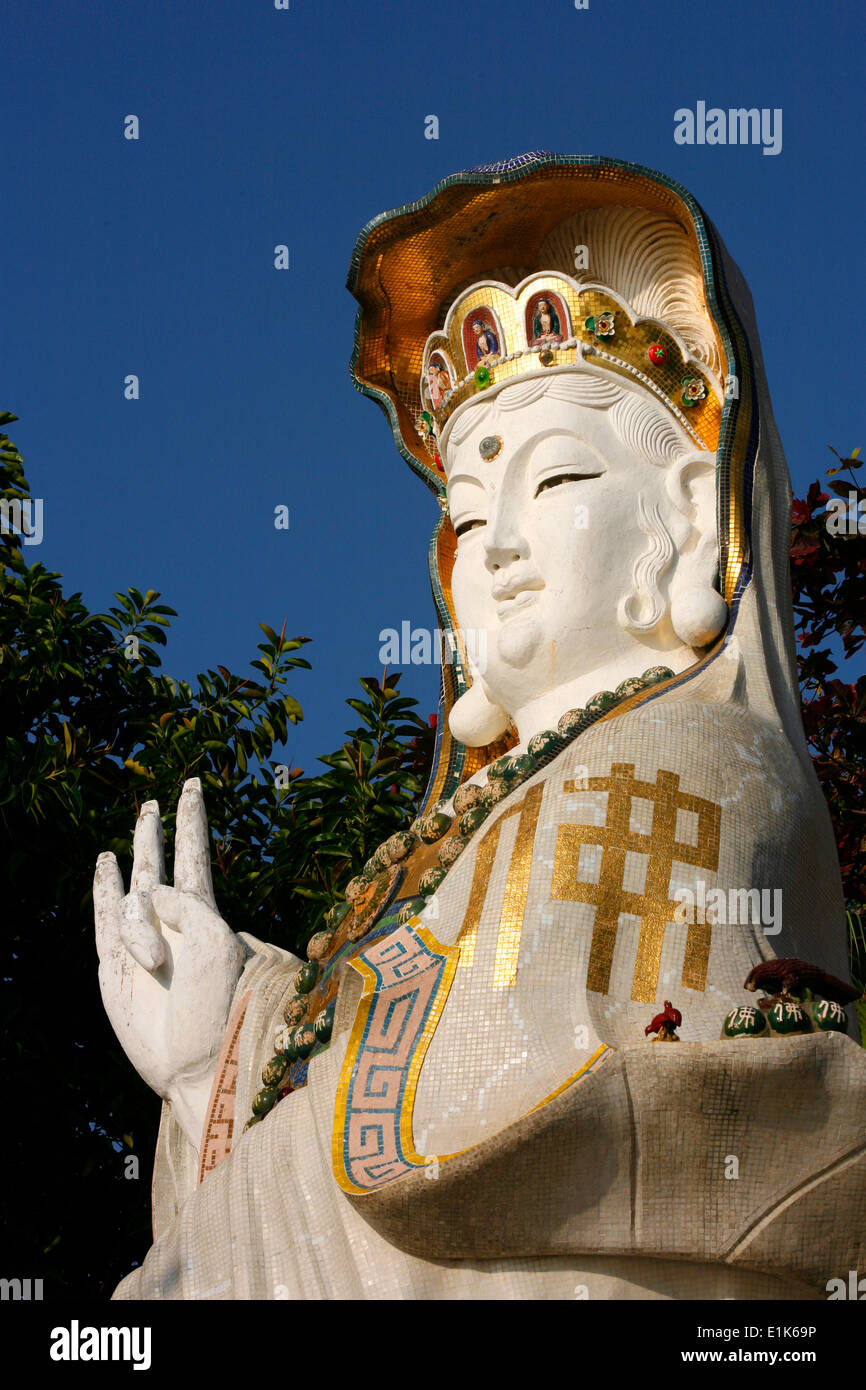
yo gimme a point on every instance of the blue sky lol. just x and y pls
(261, 126)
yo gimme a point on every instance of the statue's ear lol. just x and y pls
(691, 486)
(476, 719)
(698, 612)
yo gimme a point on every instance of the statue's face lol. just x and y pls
(548, 539)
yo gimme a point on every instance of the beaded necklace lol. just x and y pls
(368, 895)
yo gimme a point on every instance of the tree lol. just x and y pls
(91, 729)
(828, 574)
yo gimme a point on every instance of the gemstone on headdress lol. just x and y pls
(601, 325)
(694, 390)
(490, 446)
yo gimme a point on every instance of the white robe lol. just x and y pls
(608, 1185)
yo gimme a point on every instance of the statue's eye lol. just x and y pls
(467, 526)
(563, 478)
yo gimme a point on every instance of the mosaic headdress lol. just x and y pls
(477, 250)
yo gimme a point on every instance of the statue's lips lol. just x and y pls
(510, 607)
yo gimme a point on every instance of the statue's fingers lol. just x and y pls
(192, 845)
(138, 931)
(200, 924)
(148, 854)
(107, 903)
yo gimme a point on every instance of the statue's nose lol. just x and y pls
(504, 542)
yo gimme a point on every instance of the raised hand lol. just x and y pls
(168, 963)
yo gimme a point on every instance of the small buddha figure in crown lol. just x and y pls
(486, 343)
(476, 1010)
(546, 328)
(438, 381)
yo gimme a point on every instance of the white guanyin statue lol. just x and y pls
(456, 1096)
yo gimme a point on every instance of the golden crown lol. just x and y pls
(494, 334)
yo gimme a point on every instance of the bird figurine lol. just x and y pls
(785, 980)
(665, 1024)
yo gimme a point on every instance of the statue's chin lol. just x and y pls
(518, 641)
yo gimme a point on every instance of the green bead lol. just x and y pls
(572, 722)
(430, 880)
(502, 769)
(307, 977)
(319, 945)
(602, 702)
(522, 767)
(744, 1022)
(433, 827)
(399, 846)
(828, 1016)
(379, 861)
(336, 915)
(495, 792)
(324, 1024)
(656, 674)
(789, 1018)
(265, 1101)
(482, 377)
(295, 1010)
(632, 686)
(303, 1040)
(274, 1070)
(410, 909)
(451, 850)
(472, 820)
(541, 744)
(466, 797)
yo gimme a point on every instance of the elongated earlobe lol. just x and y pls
(698, 615)
(476, 719)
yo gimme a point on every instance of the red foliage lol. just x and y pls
(828, 576)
